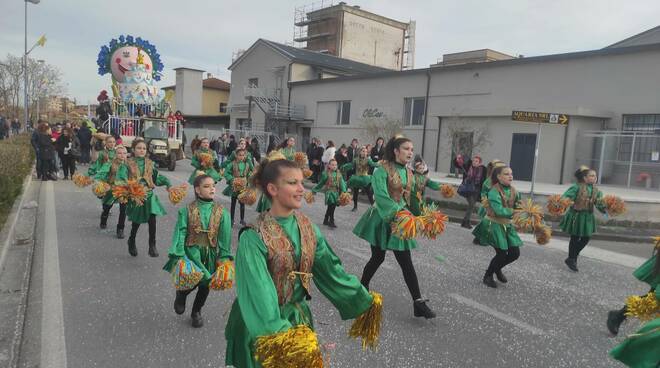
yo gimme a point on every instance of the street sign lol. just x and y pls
(540, 117)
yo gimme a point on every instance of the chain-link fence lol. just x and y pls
(623, 158)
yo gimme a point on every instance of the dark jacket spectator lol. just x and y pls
(474, 175)
(232, 145)
(255, 150)
(341, 156)
(85, 138)
(378, 151)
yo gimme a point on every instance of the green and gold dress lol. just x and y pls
(496, 229)
(579, 220)
(275, 262)
(197, 164)
(417, 197)
(237, 169)
(333, 184)
(144, 170)
(361, 178)
(104, 157)
(111, 172)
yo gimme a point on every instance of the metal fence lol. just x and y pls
(624, 158)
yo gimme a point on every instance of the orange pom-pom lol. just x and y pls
(205, 160)
(543, 234)
(120, 192)
(101, 188)
(433, 221)
(137, 192)
(300, 158)
(238, 185)
(177, 194)
(345, 198)
(309, 197)
(248, 196)
(447, 190)
(557, 205)
(307, 172)
(614, 205)
(528, 217)
(81, 180)
(405, 225)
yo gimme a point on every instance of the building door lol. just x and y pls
(522, 156)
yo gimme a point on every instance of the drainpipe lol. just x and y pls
(426, 108)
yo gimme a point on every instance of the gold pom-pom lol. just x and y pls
(223, 277)
(447, 190)
(81, 180)
(433, 221)
(405, 225)
(238, 185)
(101, 188)
(132, 190)
(644, 308)
(307, 172)
(178, 193)
(367, 325)
(543, 234)
(345, 198)
(300, 158)
(205, 159)
(248, 196)
(294, 348)
(528, 217)
(120, 193)
(614, 205)
(309, 197)
(557, 205)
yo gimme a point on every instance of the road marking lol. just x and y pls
(363, 256)
(590, 252)
(53, 347)
(499, 315)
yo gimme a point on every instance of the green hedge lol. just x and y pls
(16, 159)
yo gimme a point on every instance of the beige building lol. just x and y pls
(204, 102)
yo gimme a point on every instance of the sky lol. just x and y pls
(203, 34)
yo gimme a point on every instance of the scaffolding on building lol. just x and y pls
(304, 16)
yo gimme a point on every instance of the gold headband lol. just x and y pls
(584, 168)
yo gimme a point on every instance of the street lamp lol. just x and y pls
(41, 42)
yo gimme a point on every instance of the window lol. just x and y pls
(645, 123)
(243, 124)
(413, 111)
(343, 112)
(223, 108)
(253, 82)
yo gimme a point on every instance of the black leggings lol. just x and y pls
(200, 297)
(576, 245)
(330, 212)
(501, 259)
(233, 208)
(122, 214)
(366, 190)
(135, 226)
(405, 262)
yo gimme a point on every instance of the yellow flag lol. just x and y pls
(42, 41)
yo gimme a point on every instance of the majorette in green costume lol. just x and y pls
(197, 164)
(496, 229)
(333, 184)
(145, 171)
(237, 169)
(417, 197)
(579, 220)
(104, 157)
(361, 178)
(111, 172)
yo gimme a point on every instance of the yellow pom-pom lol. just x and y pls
(528, 217)
(614, 205)
(205, 160)
(81, 180)
(447, 190)
(309, 197)
(238, 185)
(543, 234)
(367, 325)
(433, 221)
(293, 348)
(177, 194)
(345, 198)
(644, 308)
(101, 188)
(223, 277)
(248, 196)
(557, 205)
(405, 225)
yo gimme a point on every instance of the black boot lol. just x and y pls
(420, 309)
(614, 320)
(104, 221)
(331, 223)
(180, 301)
(120, 232)
(325, 220)
(500, 276)
(572, 264)
(489, 281)
(152, 249)
(200, 299)
(132, 249)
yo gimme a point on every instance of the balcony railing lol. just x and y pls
(289, 112)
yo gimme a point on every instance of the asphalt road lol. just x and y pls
(93, 305)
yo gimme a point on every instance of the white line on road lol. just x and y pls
(590, 252)
(53, 347)
(496, 314)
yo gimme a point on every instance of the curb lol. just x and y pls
(15, 211)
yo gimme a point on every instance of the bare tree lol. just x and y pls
(379, 126)
(466, 140)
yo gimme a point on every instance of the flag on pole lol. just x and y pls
(42, 40)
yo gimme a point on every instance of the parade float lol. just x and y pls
(138, 107)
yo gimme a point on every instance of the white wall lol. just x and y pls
(188, 98)
(371, 42)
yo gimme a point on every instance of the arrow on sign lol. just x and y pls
(563, 119)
